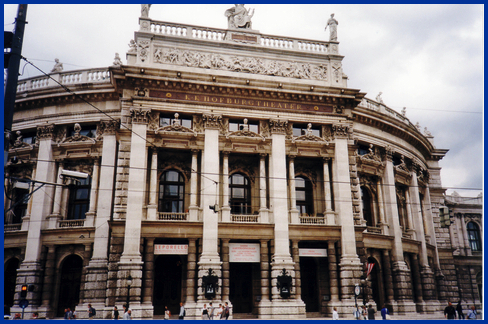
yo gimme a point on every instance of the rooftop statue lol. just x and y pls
(332, 24)
(58, 66)
(145, 10)
(378, 98)
(239, 17)
(117, 60)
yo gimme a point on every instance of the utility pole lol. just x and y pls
(13, 58)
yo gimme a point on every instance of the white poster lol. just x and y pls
(244, 252)
(174, 249)
(321, 253)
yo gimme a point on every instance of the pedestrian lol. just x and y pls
(335, 315)
(129, 314)
(66, 315)
(385, 312)
(450, 312)
(91, 312)
(371, 312)
(219, 312)
(35, 315)
(364, 312)
(17, 316)
(471, 315)
(204, 312)
(167, 313)
(459, 310)
(116, 313)
(226, 311)
(70, 314)
(182, 313)
(210, 311)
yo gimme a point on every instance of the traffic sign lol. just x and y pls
(23, 303)
(357, 290)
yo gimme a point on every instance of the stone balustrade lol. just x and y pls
(71, 223)
(312, 220)
(244, 218)
(219, 35)
(374, 230)
(173, 216)
(12, 227)
(98, 75)
(382, 108)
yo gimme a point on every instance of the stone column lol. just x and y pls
(430, 230)
(148, 275)
(193, 209)
(225, 270)
(225, 188)
(30, 269)
(281, 259)
(263, 206)
(328, 214)
(294, 214)
(210, 258)
(130, 263)
(190, 280)
(389, 298)
(296, 259)
(416, 280)
(333, 278)
(97, 269)
(152, 208)
(400, 269)
(350, 265)
(48, 282)
(58, 194)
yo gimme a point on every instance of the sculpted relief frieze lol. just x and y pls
(243, 64)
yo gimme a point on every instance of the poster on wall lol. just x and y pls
(318, 253)
(171, 249)
(244, 252)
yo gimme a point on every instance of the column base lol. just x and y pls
(193, 213)
(152, 212)
(89, 219)
(294, 216)
(282, 309)
(264, 216)
(52, 221)
(95, 290)
(225, 214)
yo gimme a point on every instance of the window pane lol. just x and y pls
(238, 193)
(82, 194)
(254, 128)
(164, 121)
(299, 183)
(237, 179)
(233, 127)
(186, 123)
(301, 195)
(171, 190)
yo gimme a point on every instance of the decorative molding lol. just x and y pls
(19, 143)
(143, 48)
(244, 64)
(309, 137)
(341, 130)
(245, 132)
(77, 137)
(175, 127)
(108, 127)
(390, 151)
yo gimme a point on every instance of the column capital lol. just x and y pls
(278, 126)
(45, 131)
(291, 157)
(139, 115)
(389, 153)
(342, 130)
(326, 159)
(212, 121)
(108, 127)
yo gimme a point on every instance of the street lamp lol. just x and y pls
(129, 282)
(363, 286)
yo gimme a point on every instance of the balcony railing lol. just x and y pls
(12, 227)
(173, 216)
(244, 218)
(319, 220)
(70, 223)
(68, 78)
(407, 235)
(375, 230)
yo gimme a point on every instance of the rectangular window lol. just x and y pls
(79, 199)
(301, 129)
(86, 130)
(235, 126)
(166, 120)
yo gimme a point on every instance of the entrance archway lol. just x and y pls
(377, 291)
(168, 274)
(241, 286)
(309, 279)
(70, 281)
(9, 279)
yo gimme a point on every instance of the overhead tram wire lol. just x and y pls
(99, 110)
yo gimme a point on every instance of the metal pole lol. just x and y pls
(13, 76)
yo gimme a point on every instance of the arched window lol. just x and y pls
(240, 194)
(367, 204)
(304, 195)
(79, 198)
(171, 192)
(474, 236)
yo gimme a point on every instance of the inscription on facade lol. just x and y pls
(244, 38)
(238, 102)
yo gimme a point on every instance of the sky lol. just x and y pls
(427, 58)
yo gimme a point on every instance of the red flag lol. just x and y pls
(369, 266)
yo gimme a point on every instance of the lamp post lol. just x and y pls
(363, 286)
(129, 282)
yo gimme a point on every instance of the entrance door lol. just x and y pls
(69, 287)
(9, 279)
(240, 293)
(310, 286)
(376, 284)
(168, 272)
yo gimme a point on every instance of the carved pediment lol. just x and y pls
(77, 137)
(310, 138)
(245, 133)
(175, 128)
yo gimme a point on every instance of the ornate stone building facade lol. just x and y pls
(223, 166)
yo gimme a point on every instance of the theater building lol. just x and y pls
(224, 165)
